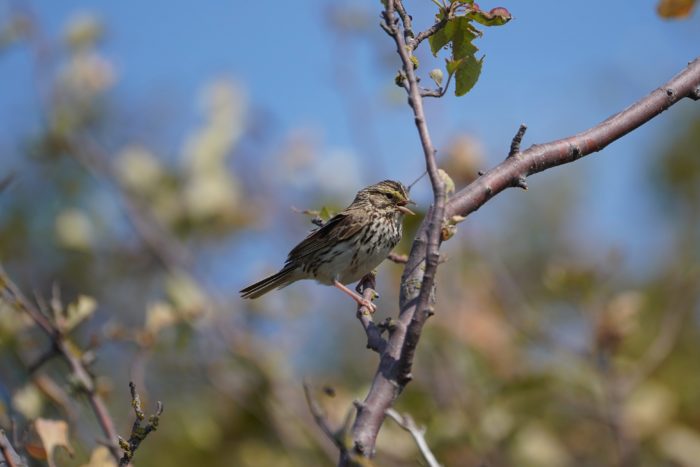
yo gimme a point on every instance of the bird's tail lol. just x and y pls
(276, 281)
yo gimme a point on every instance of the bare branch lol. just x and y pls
(321, 420)
(138, 433)
(394, 370)
(375, 341)
(544, 156)
(397, 258)
(418, 433)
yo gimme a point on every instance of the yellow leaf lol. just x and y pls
(53, 433)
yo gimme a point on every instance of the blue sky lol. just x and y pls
(559, 67)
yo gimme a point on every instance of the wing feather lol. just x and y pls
(340, 227)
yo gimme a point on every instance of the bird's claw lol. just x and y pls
(371, 307)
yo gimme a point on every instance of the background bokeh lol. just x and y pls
(159, 154)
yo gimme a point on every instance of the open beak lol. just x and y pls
(405, 210)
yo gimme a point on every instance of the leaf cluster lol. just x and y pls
(458, 34)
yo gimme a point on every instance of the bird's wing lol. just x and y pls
(340, 227)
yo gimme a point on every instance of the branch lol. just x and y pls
(339, 437)
(13, 296)
(417, 283)
(407, 423)
(440, 91)
(375, 341)
(397, 258)
(538, 158)
(138, 433)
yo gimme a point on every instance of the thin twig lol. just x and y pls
(138, 433)
(321, 419)
(418, 434)
(659, 350)
(397, 258)
(439, 92)
(517, 139)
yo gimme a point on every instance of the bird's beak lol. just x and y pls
(405, 210)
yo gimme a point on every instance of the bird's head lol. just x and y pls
(388, 194)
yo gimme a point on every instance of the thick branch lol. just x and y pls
(538, 158)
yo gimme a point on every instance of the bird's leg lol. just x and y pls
(356, 296)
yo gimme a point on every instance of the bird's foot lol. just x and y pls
(371, 307)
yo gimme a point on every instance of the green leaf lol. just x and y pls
(325, 213)
(496, 17)
(452, 66)
(460, 33)
(467, 74)
(443, 37)
(462, 39)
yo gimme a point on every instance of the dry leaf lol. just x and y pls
(53, 433)
(675, 8)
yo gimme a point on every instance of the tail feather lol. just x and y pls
(276, 281)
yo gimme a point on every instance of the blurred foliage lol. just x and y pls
(675, 8)
(539, 355)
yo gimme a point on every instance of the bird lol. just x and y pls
(348, 246)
